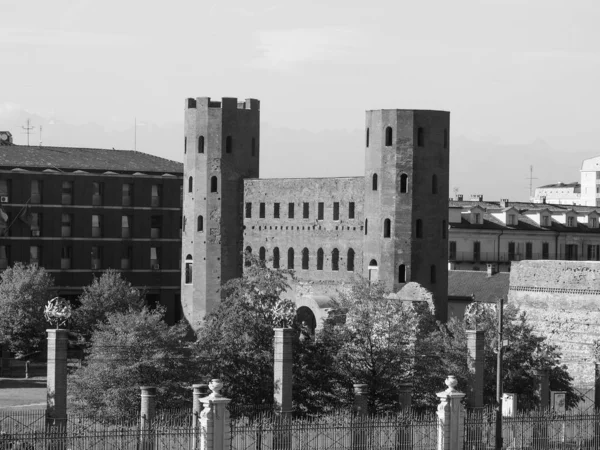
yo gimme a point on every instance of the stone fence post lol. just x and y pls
(361, 399)
(476, 348)
(56, 384)
(282, 370)
(405, 396)
(215, 426)
(147, 414)
(451, 417)
(200, 390)
(543, 388)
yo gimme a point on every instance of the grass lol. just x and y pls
(22, 393)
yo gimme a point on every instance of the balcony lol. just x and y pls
(495, 257)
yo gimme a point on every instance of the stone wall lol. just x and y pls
(562, 300)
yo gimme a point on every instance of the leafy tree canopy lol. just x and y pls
(24, 292)
(131, 349)
(108, 294)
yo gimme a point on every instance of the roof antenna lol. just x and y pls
(28, 129)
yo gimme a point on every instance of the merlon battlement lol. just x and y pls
(225, 103)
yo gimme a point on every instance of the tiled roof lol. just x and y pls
(560, 185)
(89, 159)
(478, 285)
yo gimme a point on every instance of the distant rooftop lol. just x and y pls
(88, 159)
(478, 285)
(560, 184)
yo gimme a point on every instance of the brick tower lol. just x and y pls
(221, 149)
(406, 200)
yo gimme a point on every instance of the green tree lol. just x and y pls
(108, 294)
(131, 349)
(235, 341)
(24, 292)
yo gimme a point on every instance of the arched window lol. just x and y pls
(444, 229)
(367, 137)
(228, 144)
(335, 259)
(304, 258)
(200, 223)
(388, 136)
(434, 184)
(402, 273)
(201, 144)
(350, 261)
(432, 274)
(190, 184)
(253, 147)
(290, 258)
(276, 258)
(374, 181)
(446, 138)
(189, 264)
(262, 254)
(213, 184)
(373, 263)
(419, 228)
(420, 137)
(320, 259)
(366, 225)
(403, 183)
(387, 228)
(247, 260)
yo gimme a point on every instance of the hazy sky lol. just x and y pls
(510, 71)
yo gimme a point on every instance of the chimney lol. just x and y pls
(459, 197)
(476, 197)
(503, 202)
(6, 138)
(543, 199)
(491, 270)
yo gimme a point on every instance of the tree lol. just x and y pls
(24, 292)
(108, 294)
(131, 349)
(373, 337)
(235, 341)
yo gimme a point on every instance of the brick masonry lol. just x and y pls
(562, 301)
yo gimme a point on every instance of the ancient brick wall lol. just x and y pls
(562, 300)
(311, 232)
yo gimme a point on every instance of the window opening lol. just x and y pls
(213, 184)
(201, 144)
(335, 259)
(388, 136)
(276, 258)
(351, 210)
(304, 258)
(387, 227)
(350, 260)
(290, 263)
(403, 183)
(336, 210)
(200, 223)
(374, 182)
(402, 273)
(320, 259)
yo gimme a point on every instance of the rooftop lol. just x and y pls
(560, 184)
(478, 285)
(88, 159)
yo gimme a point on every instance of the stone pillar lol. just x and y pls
(147, 413)
(282, 370)
(405, 396)
(56, 385)
(475, 347)
(361, 399)
(597, 387)
(200, 390)
(215, 426)
(543, 388)
(451, 417)
(5, 371)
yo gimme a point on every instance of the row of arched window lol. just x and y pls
(228, 145)
(404, 183)
(214, 184)
(389, 137)
(305, 262)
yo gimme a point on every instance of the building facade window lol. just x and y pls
(126, 194)
(367, 138)
(290, 210)
(545, 221)
(276, 258)
(36, 191)
(402, 273)
(66, 225)
(156, 227)
(191, 184)
(351, 210)
(67, 193)
(248, 252)
(374, 182)
(305, 210)
(511, 251)
(35, 255)
(156, 195)
(262, 253)
(200, 226)
(66, 257)
(545, 250)
(350, 260)
(261, 211)
(387, 227)
(248, 210)
(593, 252)
(97, 193)
(290, 264)
(528, 250)
(366, 226)
(304, 258)
(126, 226)
(155, 258)
(4, 256)
(126, 257)
(96, 225)
(388, 136)
(213, 184)
(201, 144)
(452, 250)
(96, 257)
(336, 210)
(512, 219)
(5, 190)
(403, 183)
(320, 210)
(35, 224)
(571, 252)
(477, 251)
(189, 269)
(571, 222)
(335, 259)
(320, 259)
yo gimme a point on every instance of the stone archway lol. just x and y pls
(304, 315)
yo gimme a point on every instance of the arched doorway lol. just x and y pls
(373, 271)
(304, 315)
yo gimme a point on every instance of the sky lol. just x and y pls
(520, 78)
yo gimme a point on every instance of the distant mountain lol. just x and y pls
(477, 166)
